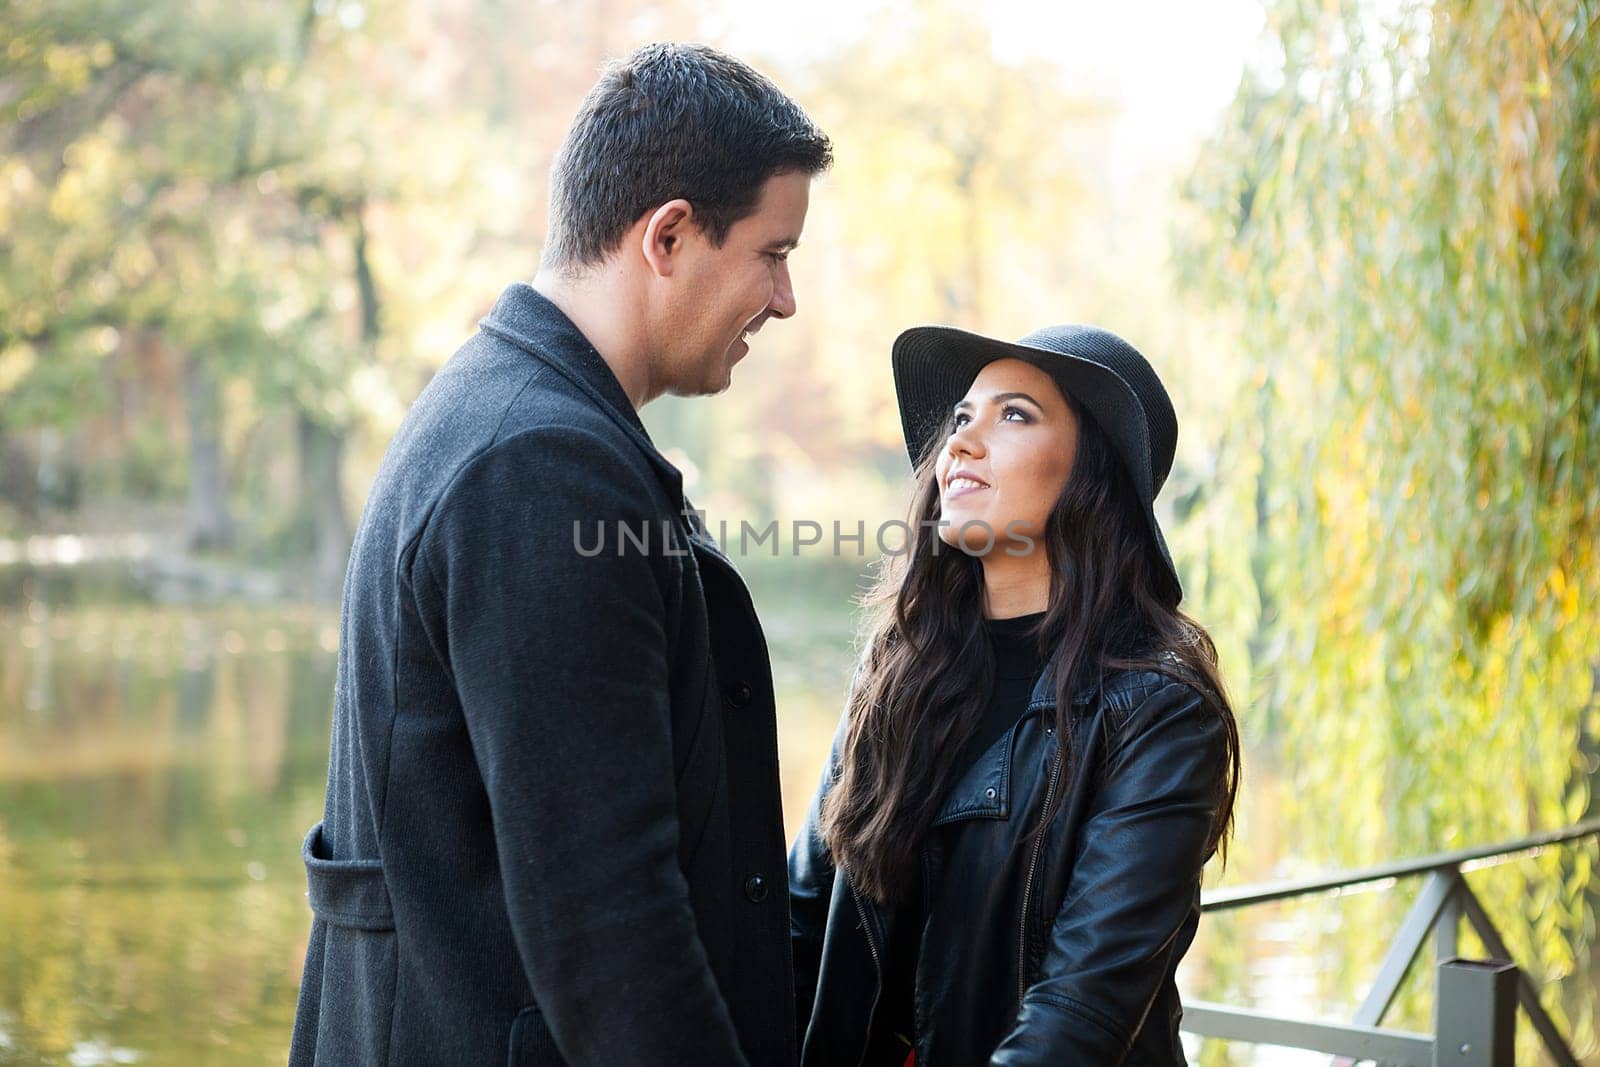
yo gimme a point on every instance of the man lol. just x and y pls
(553, 831)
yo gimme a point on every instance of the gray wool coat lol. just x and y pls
(553, 829)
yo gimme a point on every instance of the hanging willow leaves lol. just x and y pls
(1404, 206)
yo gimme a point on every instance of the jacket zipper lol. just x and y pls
(877, 962)
(1033, 870)
(866, 927)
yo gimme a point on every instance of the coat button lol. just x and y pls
(740, 694)
(755, 888)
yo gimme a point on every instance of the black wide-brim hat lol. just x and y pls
(1108, 378)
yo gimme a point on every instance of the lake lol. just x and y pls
(162, 754)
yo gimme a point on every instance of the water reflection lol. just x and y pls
(157, 767)
(159, 762)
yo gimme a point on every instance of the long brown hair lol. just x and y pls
(927, 667)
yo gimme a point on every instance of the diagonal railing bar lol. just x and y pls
(1407, 946)
(1554, 1043)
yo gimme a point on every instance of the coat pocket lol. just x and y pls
(349, 893)
(350, 1007)
(531, 1043)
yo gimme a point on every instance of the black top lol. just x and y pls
(1017, 666)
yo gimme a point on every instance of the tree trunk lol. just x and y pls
(19, 479)
(321, 450)
(210, 525)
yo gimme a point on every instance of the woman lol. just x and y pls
(1002, 863)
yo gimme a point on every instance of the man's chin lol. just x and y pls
(724, 380)
(707, 387)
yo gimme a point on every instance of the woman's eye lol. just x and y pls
(1022, 416)
(958, 420)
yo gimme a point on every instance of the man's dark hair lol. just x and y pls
(672, 121)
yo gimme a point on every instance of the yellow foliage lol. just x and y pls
(69, 201)
(68, 65)
(16, 361)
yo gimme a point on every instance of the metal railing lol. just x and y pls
(1475, 1001)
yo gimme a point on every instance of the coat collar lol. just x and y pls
(530, 320)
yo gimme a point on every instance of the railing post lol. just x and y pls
(1475, 1014)
(1448, 926)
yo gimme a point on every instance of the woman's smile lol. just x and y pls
(959, 483)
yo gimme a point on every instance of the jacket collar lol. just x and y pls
(530, 320)
(1044, 692)
(984, 791)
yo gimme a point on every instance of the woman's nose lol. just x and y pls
(965, 441)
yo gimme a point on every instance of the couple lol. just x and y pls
(553, 831)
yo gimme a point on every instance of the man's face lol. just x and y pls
(722, 295)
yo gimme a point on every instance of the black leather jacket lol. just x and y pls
(1039, 949)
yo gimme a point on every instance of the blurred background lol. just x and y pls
(1359, 240)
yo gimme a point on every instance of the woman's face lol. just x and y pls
(1010, 450)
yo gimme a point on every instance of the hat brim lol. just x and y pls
(934, 366)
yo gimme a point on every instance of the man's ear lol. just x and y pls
(664, 234)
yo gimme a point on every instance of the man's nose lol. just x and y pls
(782, 304)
